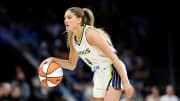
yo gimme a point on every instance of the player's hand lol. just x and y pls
(128, 89)
(47, 61)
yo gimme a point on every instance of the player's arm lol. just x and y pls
(96, 39)
(67, 64)
(73, 58)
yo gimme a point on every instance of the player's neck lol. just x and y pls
(77, 32)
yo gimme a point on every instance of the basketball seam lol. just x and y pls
(46, 76)
(46, 82)
(53, 70)
(52, 82)
(50, 77)
(42, 75)
(43, 71)
(53, 77)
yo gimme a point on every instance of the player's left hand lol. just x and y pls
(128, 89)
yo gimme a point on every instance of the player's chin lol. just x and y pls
(68, 29)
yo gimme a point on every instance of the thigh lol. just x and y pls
(112, 94)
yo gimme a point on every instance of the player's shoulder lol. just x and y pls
(91, 31)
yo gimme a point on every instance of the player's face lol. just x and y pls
(71, 21)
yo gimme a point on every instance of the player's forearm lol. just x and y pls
(121, 69)
(65, 64)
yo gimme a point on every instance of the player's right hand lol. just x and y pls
(47, 61)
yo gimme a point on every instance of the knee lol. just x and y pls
(112, 94)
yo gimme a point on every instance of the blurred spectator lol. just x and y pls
(170, 94)
(56, 96)
(40, 92)
(22, 84)
(65, 92)
(134, 64)
(16, 93)
(154, 96)
(5, 90)
(135, 97)
(129, 59)
(140, 73)
(79, 86)
(54, 29)
(6, 87)
(1, 91)
(26, 36)
(88, 92)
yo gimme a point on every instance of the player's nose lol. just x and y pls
(65, 21)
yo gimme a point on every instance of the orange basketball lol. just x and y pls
(51, 74)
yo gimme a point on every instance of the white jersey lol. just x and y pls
(91, 55)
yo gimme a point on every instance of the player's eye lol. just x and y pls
(69, 17)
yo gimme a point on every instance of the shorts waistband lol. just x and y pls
(97, 68)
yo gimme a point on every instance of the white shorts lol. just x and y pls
(103, 78)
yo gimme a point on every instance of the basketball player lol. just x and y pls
(95, 48)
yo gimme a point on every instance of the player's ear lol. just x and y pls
(79, 20)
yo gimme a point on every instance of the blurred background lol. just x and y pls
(31, 32)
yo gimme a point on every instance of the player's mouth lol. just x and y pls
(67, 25)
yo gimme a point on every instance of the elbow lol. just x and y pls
(73, 67)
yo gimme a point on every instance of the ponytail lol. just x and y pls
(89, 20)
(88, 17)
(106, 35)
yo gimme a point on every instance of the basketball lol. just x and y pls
(50, 75)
